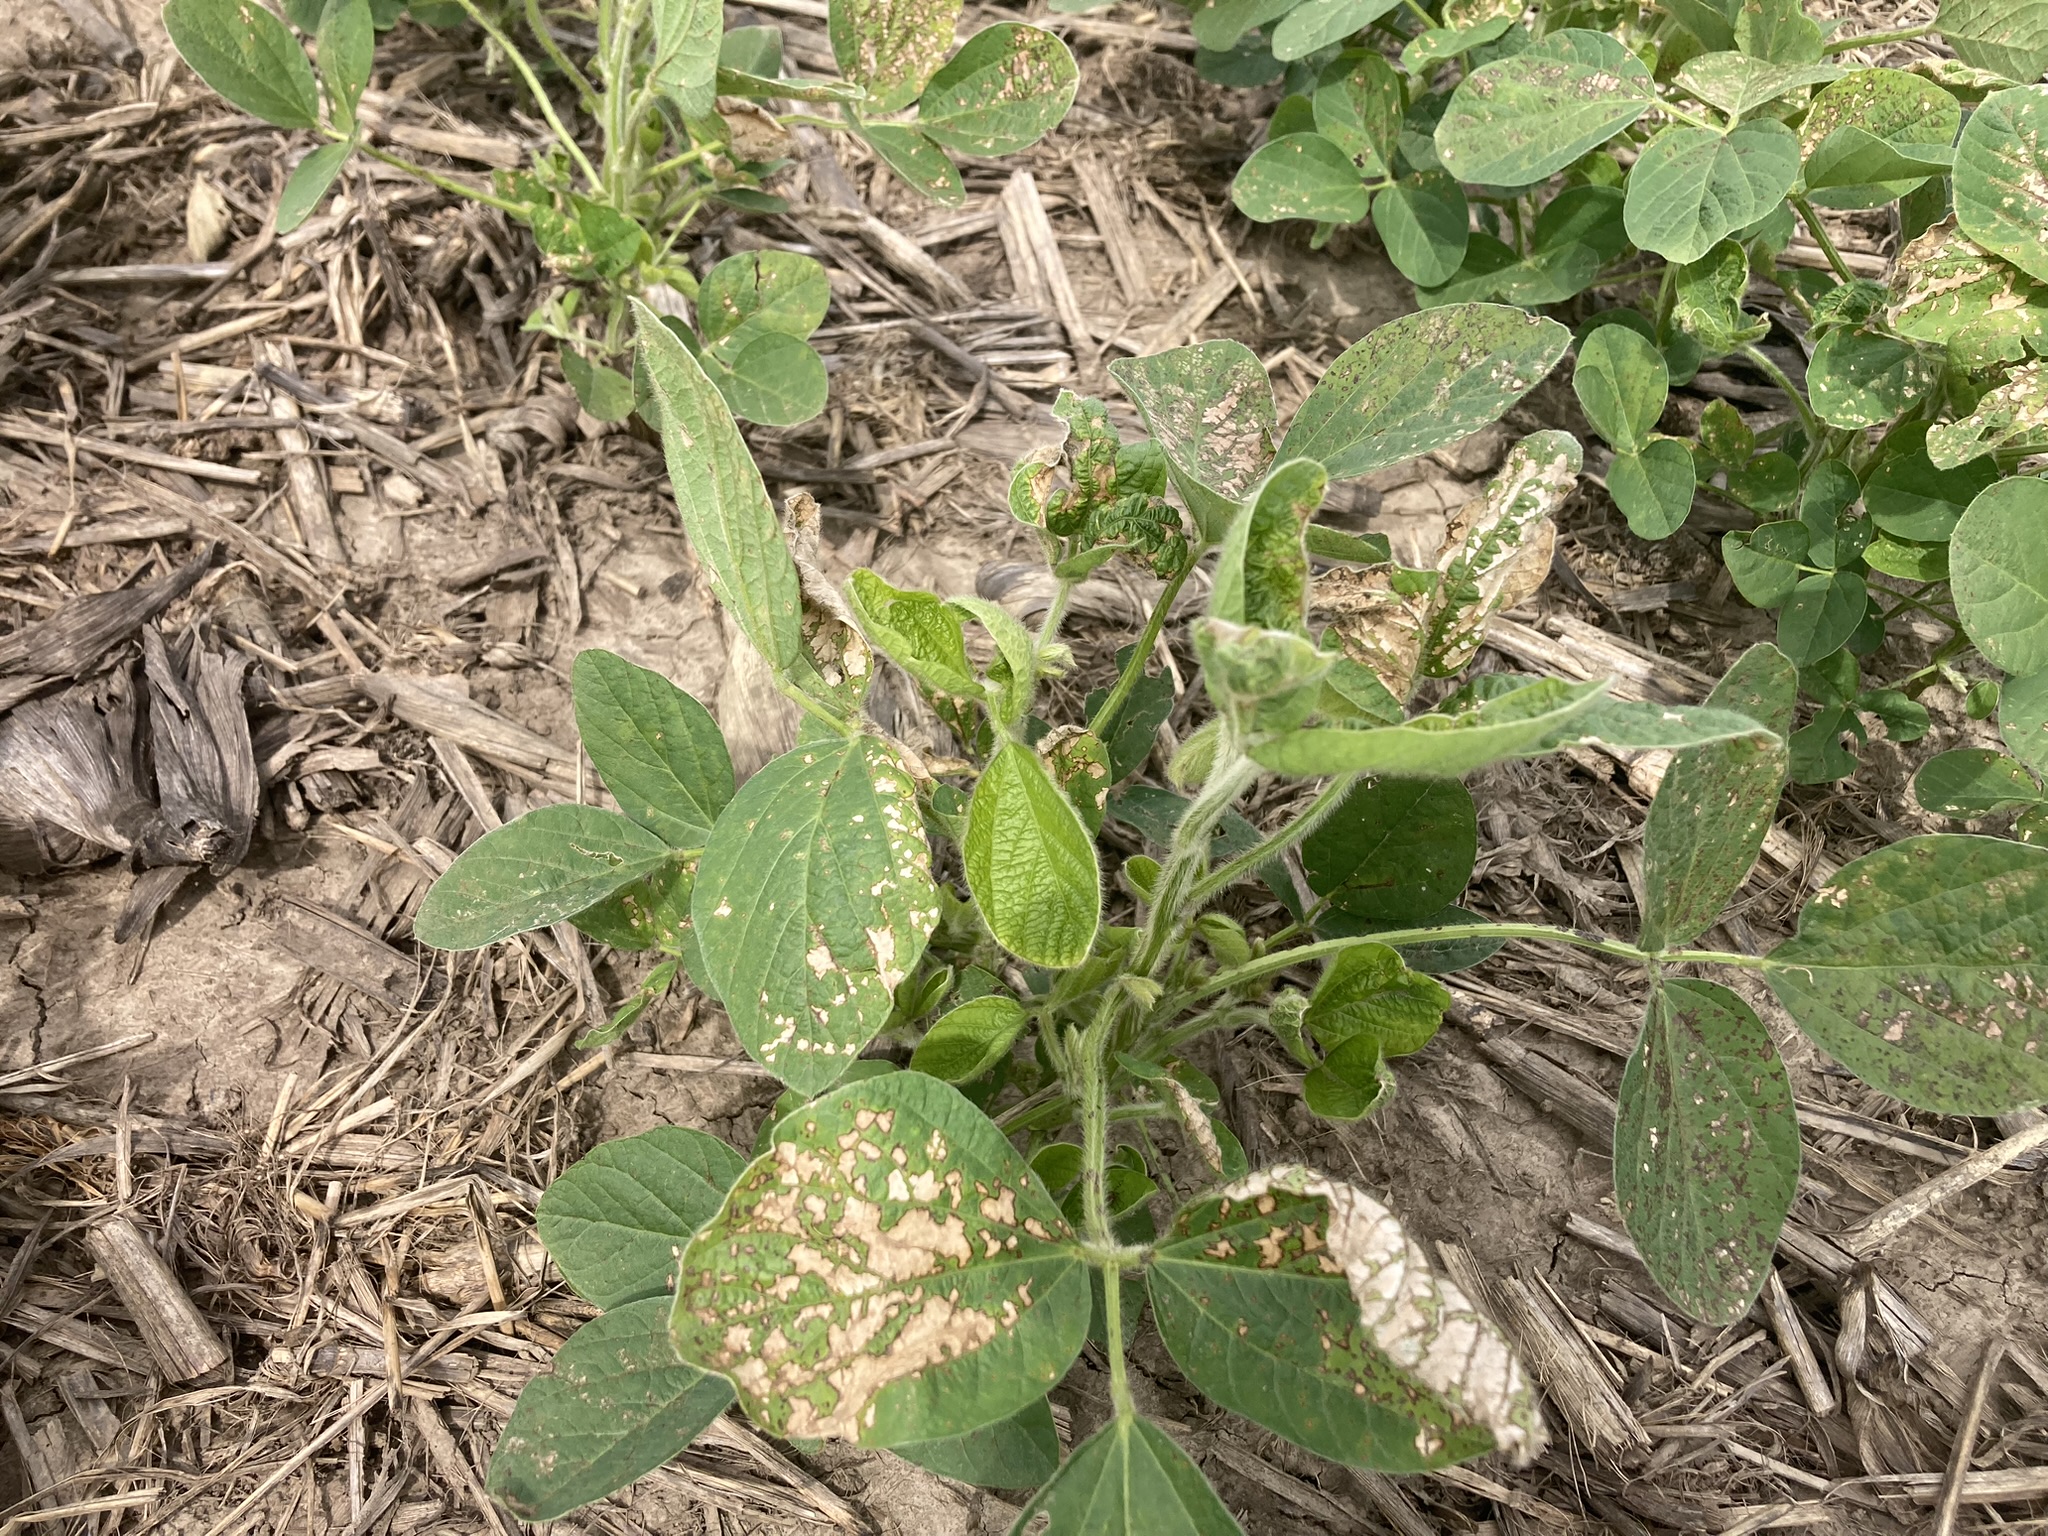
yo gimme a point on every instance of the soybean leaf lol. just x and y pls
(1519, 120)
(1777, 30)
(243, 52)
(1316, 24)
(309, 182)
(1654, 487)
(917, 158)
(1360, 110)
(767, 375)
(617, 1404)
(1907, 496)
(1262, 570)
(1632, 723)
(1855, 164)
(346, 41)
(658, 750)
(1857, 379)
(1367, 990)
(1716, 803)
(1821, 614)
(685, 64)
(1431, 46)
(1998, 573)
(1300, 176)
(1907, 561)
(1007, 87)
(2012, 416)
(1887, 105)
(1350, 1082)
(888, 1270)
(1707, 300)
(966, 1042)
(891, 47)
(1327, 543)
(753, 51)
(1021, 1451)
(1220, 25)
(549, 864)
(1247, 66)
(2001, 197)
(2007, 37)
(1920, 968)
(1706, 1148)
(1948, 289)
(1156, 813)
(1350, 1354)
(777, 290)
(917, 631)
(1764, 563)
(1395, 851)
(1973, 781)
(1030, 862)
(1210, 409)
(1525, 723)
(1622, 383)
(1497, 548)
(1836, 532)
(2023, 719)
(813, 902)
(1692, 186)
(1265, 679)
(1132, 733)
(1128, 1479)
(1422, 382)
(651, 913)
(718, 491)
(614, 1220)
(1424, 223)
(1739, 83)
(1707, 20)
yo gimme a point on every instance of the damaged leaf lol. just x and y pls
(1262, 570)
(891, 47)
(2014, 416)
(1520, 120)
(1210, 410)
(1378, 617)
(1007, 87)
(549, 864)
(2001, 177)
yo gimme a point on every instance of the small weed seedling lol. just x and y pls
(682, 114)
(915, 1255)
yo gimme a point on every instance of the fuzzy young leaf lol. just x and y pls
(813, 902)
(718, 491)
(891, 47)
(1421, 382)
(1128, 1479)
(549, 864)
(1262, 570)
(2001, 196)
(889, 1270)
(245, 53)
(967, 1041)
(1349, 1083)
(1525, 723)
(1021, 1451)
(1921, 968)
(1998, 572)
(917, 631)
(1395, 851)
(2007, 37)
(1425, 224)
(1367, 990)
(1716, 803)
(1692, 186)
(658, 750)
(614, 1220)
(617, 1404)
(1030, 862)
(1974, 781)
(309, 182)
(1622, 382)
(1007, 87)
(1300, 176)
(1520, 120)
(1210, 409)
(1300, 1303)
(1706, 1148)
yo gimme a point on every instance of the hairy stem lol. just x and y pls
(1134, 669)
(1296, 831)
(1087, 1056)
(537, 24)
(1877, 39)
(1815, 228)
(1233, 774)
(445, 183)
(547, 108)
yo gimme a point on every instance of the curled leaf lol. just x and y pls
(1378, 617)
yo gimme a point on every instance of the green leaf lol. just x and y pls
(1889, 106)
(1947, 289)
(1907, 561)
(2014, 416)
(1908, 497)
(1128, 1479)
(1974, 781)
(617, 1404)
(1007, 87)
(1520, 120)
(1261, 574)
(1777, 30)
(917, 631)
(2023, 719)
(1856, 379)
(549, 864)
(1715, 805)
(1622, 383)
(1631, 723)
(604, 393)
(966, 1042)
(917, 158)
(245, 53)
(1706, 1148)
(1301, 176)
(1654, 488)
(1836, 532)
(1264, 679)
(1707, 300)
(891, 47)
(651, 913)
(1316, 24)
(2007, 37)
(888, 1271)
(1327, 543)
(1210, 409)
(771, 377)
(1998, 572)
(345, 44)
(1920, 968)
(813, 903)
(309, 182)
(1853, 165)
(718, 491)
(1424, 222)
(2001, 177)
(753, 51)
(1349, 1083)
(1431, 46)
(1690, 187)
(1136, 726)
(1021, 1451)
(1360, 109)
(1764, 563)
(1220, 25)
(1395, 851)
(1030, 862)
(1367, 990)
(1525, 723)
(1421, 382)
(686, 44)
(1738, 84)
(615, 1219)
(1300, 1303)
(776, 290)
(1821, 615)
(658, 750)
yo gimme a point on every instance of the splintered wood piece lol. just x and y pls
(1393, 1506)
(1966, 1438)
(1040, 272)
(81, 1393)
(182, 1341)
(1875, 1230)
(305, 483)
(1183, 324)
(76, 638)
(452, 1464)
(1791, 1335)
(1103, 193)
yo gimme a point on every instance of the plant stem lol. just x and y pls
(537, 24)
(1684, 115)
(547, 108)
(1811, 422)
(1815, 228)
(1320, 809)
(1134, 669)
(1087, 1056)
(1877, 39)
(445, 183)
(807, 120)
(1428, 21)
(1232, 775)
